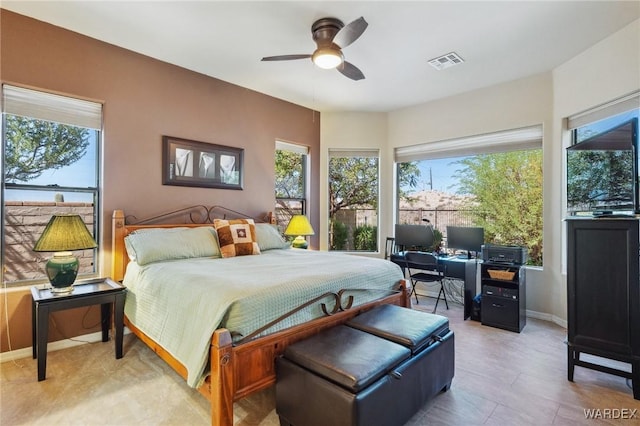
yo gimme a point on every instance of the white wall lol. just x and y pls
(606, 71)
(602, 73)
(353, 130)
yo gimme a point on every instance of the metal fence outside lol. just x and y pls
(353, 218)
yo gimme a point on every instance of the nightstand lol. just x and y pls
(102, 291)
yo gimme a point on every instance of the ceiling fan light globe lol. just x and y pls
(327, 58)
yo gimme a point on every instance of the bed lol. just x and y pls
(204, 313)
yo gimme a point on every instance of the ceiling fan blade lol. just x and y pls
(349, 70)
(350, 32)
(285, 57)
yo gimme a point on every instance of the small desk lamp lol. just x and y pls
(62, 234)
(299, 225)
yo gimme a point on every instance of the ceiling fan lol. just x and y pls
(331, 36)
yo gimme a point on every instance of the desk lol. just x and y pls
(459, 268)
(104, 292)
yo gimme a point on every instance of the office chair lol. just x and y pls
(424, 267)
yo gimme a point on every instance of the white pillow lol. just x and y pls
(171, 243)
(269, 238)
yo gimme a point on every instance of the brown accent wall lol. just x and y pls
(143, 100)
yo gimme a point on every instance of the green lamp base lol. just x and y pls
(299, 242)
(62, 270)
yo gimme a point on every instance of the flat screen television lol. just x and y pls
(602, 172)
(466, 238)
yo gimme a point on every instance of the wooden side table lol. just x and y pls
(103, 291)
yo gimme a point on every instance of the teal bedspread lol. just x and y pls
(180, 303)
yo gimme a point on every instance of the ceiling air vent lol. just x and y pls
(446, 61)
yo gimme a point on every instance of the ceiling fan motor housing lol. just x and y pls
(331, 36)
(324, 30)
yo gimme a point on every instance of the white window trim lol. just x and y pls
(352, 153)
(292, 147)
(606, 110)
(507, 140)
(50, 107)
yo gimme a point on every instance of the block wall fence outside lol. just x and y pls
(24, 223)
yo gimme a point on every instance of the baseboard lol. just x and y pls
(55, 346)
(547, 317)
(529, 313)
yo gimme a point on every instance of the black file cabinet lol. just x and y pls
(503, 296)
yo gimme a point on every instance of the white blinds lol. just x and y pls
(615, 107)
(50, 107)
(350, 153)
(508, 140)
(292, 147)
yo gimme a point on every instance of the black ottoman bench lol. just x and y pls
(378, 369)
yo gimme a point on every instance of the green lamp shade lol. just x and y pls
(300, 227)
(62, 234)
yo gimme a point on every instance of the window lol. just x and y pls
(50, 165)
(493, 181)
(353, 200)
(291, 165)
(602, 172)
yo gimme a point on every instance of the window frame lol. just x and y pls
(293, 202)
(356, 153)
(511, 140)
(65, 110)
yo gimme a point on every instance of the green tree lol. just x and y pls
(289, 174)
(506, 189)
(33, 146)
(597, 177)
(340, 235)
(365, 237)
(352, 182)
(408, 174)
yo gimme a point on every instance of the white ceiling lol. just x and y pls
(499, 41)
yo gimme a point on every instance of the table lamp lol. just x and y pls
(300, 227)
(62, 234)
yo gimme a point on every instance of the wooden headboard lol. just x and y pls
(120, 229)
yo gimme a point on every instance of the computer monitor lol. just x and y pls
(465, 238)
(409, 236)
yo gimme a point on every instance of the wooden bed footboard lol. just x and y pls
(236, 371)
(240, 370)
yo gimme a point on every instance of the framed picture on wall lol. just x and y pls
(192, 163)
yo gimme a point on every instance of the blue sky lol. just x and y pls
(79, 174)
(442, 171)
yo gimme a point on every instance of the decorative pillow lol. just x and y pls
(161, 244)
(237, 237)
(269, 238)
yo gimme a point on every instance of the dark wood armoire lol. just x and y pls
(603, 295)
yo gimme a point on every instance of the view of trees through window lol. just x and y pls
(353, 202)
(34, 146)
(290, 184)
(500, 192)
(49, 167)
